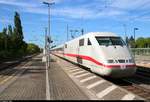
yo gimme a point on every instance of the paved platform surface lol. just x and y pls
(142, 61)
(27, 83)
(93, 85)
(61, 86)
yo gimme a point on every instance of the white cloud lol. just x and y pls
(17, 3)
(73, 12)
(76, 12)
(131, 4)
(95, 9)
(79, 11)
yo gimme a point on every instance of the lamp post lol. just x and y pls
(134, 40)
(48, 37)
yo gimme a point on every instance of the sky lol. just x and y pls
(117, 16)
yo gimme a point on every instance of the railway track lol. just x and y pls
(13, 69)
(138, 90)
(10, 72)
(10, 69)
(15, 63)
(143, 71)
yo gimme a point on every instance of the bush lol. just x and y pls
(32, 48)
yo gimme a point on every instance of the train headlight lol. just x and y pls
(110, 61)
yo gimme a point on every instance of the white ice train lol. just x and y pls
(104, 53)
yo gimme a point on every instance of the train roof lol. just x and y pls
(96, 34)
(101, 34)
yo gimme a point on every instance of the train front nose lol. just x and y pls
(121, 67)
(122, 71)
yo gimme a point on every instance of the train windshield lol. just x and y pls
(107, 41)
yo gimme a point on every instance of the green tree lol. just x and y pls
(140, 42)
(24, 48)
(12, 43)
(4, 43)
(10, 31)
(10, 34)
(147, 42)
(18, 34)
(1, 41)
(19, 46)
(5, 39)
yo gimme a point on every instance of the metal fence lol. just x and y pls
(140, 51)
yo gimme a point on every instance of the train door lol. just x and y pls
(65, 50)
(80, 47)
(89, 48)
(88, 52)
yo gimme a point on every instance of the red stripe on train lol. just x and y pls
(96, 62)
(86, 58)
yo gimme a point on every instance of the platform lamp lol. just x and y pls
(49, 37)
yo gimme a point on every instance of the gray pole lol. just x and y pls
(134, 42)
(49, 35)
(49, 20)
(47, 3)
(46, 50)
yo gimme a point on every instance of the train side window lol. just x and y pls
(65, 45)
(89, 42)
(81, 42)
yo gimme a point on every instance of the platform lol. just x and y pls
(142, 61)
(29, 83)
(62, 81)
